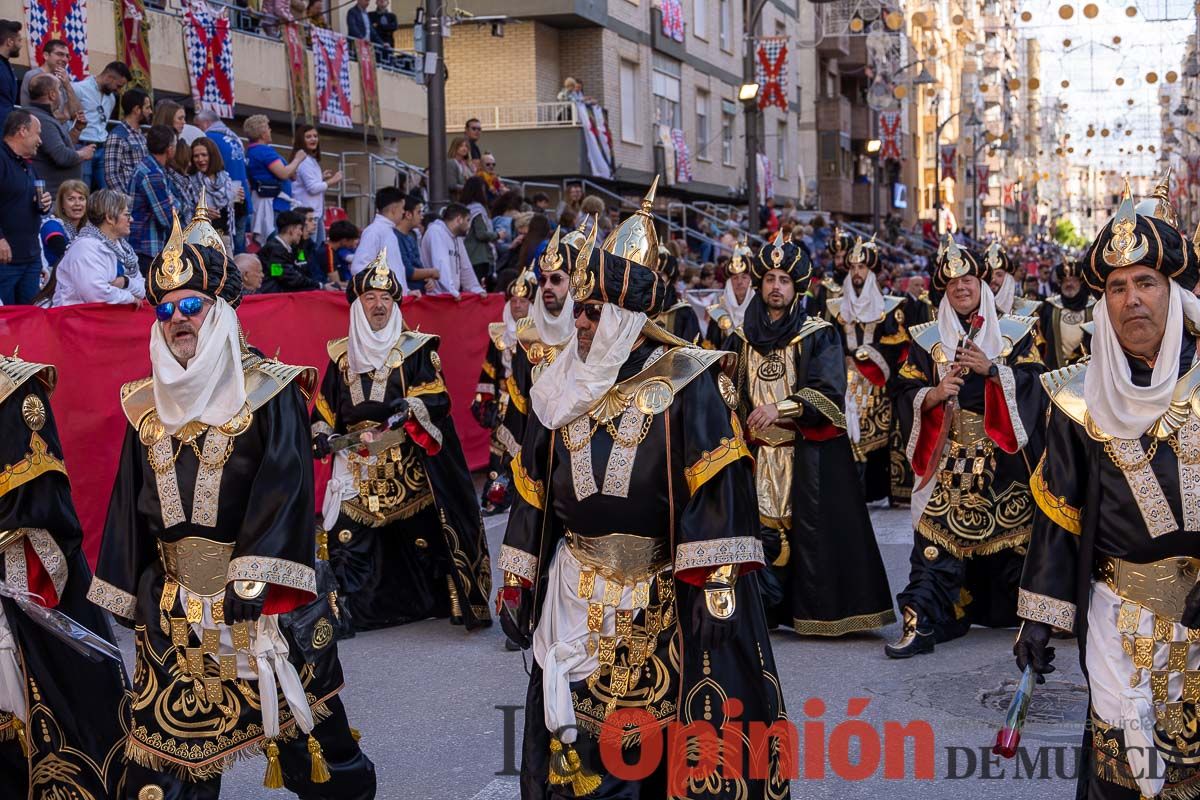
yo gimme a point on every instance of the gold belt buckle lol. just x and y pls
(621, 557)
(199, 565)
(1161, 586)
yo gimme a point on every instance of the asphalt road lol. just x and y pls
(425, 697)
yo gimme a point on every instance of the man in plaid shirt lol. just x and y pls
(126, 146)
(154, 201)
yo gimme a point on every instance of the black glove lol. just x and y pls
(486, 413)
(712, 633)
(239, 610)
(321, 445)
(1191, 609)
(514, 618)
(1032, 648)
(368, 411)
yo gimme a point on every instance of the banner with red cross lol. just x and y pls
(59, 19)
(948, 153)
(332, 54)
(889, 135)
(982, 173)
(1193, 170)
(209, 48)
(771, 71)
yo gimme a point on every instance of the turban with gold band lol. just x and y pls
(184, 264)
(955, 261)
(377, 276)
(864, 253)
(789, 257)
(997, 258)
(1146, 234)
(839, 242)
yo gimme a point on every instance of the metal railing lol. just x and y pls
(559, 114)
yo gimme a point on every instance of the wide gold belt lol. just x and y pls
(1161, 586)
(967, 428)
(199, 565)
(621, 557)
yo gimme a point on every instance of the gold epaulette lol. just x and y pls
(654, 388)
(833, 306)
(1014, 328)
(527, 334)
(336, 348)
(408, 343)
(1065, 388)
(832, 286)
(1023, 307)
(718, 314)
(496, 333)
(926, 335)
(15, 371)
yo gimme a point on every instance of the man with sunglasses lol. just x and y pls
(209, 539)
(627, 565)
(406, 539)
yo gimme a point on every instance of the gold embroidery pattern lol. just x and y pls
(51, 556)
(324, 410)
(1042, 608)
(508, 441)
(274, 570)
(911, 371)
(514, 393)
(112, 599)
(16, 570)
(531, 491)
(217, 448)
(320, 427)
(421, 415)
(1060, 512)
(38, 462)
(915, 436)
(1188, 452)
(432, 387)
(715, 552)
(1134, 464)
(713, 461)
(518, 562)
(1009, 386)
(583, 477)
(841, 627)
(978, 521)
(826, 407)
(623, 454)
(162, 461)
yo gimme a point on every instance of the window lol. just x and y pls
(727, 123)
(702, 130)
(781, 143)
(700, 19)
(630, 124)
(725, 32)
(666, 87)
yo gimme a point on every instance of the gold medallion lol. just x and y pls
(34, 412)
(395, 359)
(654, 396)
(344, 536)
(727, 389)
(931, 553)
(191, 431)
(150, 792)
(239, 422)
(725, 323)
(421, 544)
(322, 634)
(151, 429)
(772, 368)
(537, 351)
(436, 360)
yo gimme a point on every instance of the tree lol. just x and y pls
(1066, 234)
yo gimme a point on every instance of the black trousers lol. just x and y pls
(351, 773)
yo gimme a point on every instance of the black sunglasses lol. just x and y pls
(556, 278)
(591, 309)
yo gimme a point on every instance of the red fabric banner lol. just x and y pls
(949, 156)
(372, 116)
(97, 348)
(297, 54)
(889, 135)
(133, 45)
(771, 71)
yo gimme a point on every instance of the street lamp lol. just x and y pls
(748, 92)
(873, 148)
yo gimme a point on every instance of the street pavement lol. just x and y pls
(425, 697)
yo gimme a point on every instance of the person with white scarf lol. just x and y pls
(209, 547)
(633, 487)
(405, 538)
(46, 685)
(1113, 556)
(1004, 285)
(874, 339)
(727, 314)
(970, 409)
(493, 407)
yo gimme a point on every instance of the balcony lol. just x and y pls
(860, 122)
(861, 198)
(836, 195)
(834, 46)
(833, 114)
(530, 146)
(663, 43)
(856, 56)
(557, 13)
(518, 116)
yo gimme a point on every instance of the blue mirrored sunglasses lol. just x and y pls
(188, 306)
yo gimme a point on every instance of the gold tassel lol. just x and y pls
(320, 770)
(274, 777)
(567, 768)
(22, 736)
(322, 545)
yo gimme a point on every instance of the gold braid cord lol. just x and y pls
(824, 406)
(1056, 508)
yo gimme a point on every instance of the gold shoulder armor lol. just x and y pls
(834, 306)
(1014, 328)
(655, 332)
(810, 326)
(654, 388)
(925, 335)
(337, 348)
(1065, 388)
(412, 341)
(268, 378)
(496, 333)
(15, 371)
(137, 400)
(1023, 307)
(890, 303)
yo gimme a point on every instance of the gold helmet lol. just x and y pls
(635, 239)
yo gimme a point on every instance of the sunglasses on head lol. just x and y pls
(591, 309)
(188, 306)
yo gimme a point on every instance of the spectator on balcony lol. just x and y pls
(233, 155)
(443, 247)
(337, 252)
(358, 23)
(56, 57)
(473, 129)
(100, 266)
(458, 164)
(380, 234)
(281, 273)
(207, 172)
(154, 201)
(491, 180)
(56, 160)
(21, 207)
(311, 181)
(270, 176)
(571, 200)
(10, 48)
(97, 97)
(570, 92)
(314, 13)
(384, 25)
(126, 145)
(479, 235)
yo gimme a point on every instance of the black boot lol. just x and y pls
(916, 639)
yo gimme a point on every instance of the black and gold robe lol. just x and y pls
(497, 386)
(826, 576)
(680, 475)
(409, 541)
(72, 743)
(875, 351)
(1065, 331)
(680, 320)
(971, 537)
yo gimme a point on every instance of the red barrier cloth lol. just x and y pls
(97, 348)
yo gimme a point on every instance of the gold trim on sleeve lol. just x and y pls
(1056, 508)
(112, 599)
(325, 411)
(279, 571)
(1042, 608)
(518, 562)
(437, 386)
(713, 461)
(38, 462)
(824, 406)
(715, 552)
(514, 395)
(533, 492)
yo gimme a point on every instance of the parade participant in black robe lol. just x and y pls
(627, 557)
(549, 325)
(1065, 319)
(875, 341)
(917, 308)
(727, 314)
(406, 539)
(917, 311)
(1004, 285)
(827, 574)
(973, 519)
(677, 317)
(62, 715)
(493, 408)
(209, 540)
(829, 286)
(1115, 553)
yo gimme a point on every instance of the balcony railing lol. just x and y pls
(518, 116)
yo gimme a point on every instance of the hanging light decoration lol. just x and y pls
(1171, 76)
(1065, 83)
(1116, 40)
(1120, 81)
(1066, 42)
(1104, 133)
(1091, 10)
(1066, 11)
(1131, 11)
(1151, 77)
(1026, 16)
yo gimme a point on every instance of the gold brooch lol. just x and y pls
(551, 260)
(1126, 247)
(34, 412)
(173, 271)
(582, 281)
